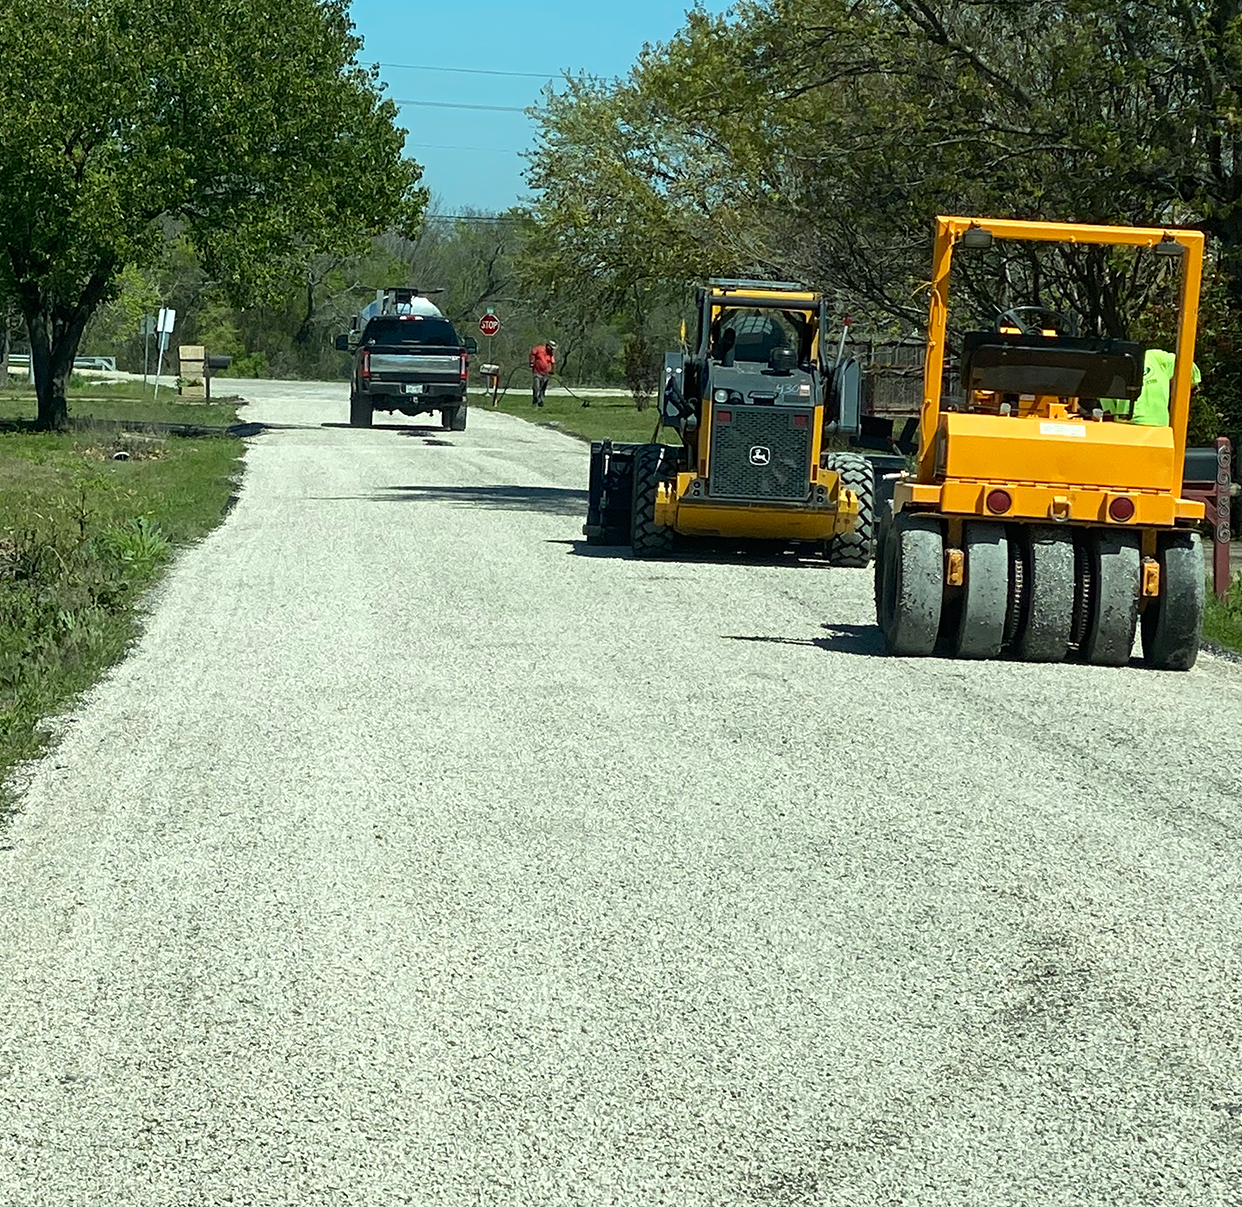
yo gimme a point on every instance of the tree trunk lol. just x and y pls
(51, 352)
(55, 332)
(6, 346)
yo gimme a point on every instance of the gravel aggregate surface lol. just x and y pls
(421, 854)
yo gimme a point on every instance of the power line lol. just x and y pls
(471, 218)
(435, 146)
(456, 105)
(529, 75)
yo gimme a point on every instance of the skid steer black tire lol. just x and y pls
(653, 464)
(1114, 560)
(1172, 624)
(854, 549)
(360, 413)
(910, 584)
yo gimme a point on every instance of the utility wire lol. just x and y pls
(471, 218)
(457, 105)
(528, 75)
(435, 146)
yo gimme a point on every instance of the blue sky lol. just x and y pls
(470, 156)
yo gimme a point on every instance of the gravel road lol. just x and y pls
(420, 855)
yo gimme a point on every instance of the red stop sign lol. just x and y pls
(489, 324)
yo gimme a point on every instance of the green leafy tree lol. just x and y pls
(248, 128)
(816, 139)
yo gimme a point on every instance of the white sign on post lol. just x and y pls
(164, 324)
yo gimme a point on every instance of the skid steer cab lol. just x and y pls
(749, 407)
(1042, 522)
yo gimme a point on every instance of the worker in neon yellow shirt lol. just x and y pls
(1151, 407)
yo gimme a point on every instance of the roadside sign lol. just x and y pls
(164, 323)
(489, 324)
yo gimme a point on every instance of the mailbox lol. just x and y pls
(491, 379)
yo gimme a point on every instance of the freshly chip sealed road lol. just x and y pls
(421, 854)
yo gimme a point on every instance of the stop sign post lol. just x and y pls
(489, 324)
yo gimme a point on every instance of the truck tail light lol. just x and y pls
(465, 361)
(365, 369)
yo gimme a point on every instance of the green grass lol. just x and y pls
(129, 401)
(605, 418)
(81, 536)
(1222, 620)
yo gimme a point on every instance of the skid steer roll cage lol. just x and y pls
(763, 295)
(951, 232)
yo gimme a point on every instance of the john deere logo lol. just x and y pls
(760, 455)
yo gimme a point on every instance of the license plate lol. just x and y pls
(414, 388)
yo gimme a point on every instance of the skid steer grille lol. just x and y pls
(761, 452)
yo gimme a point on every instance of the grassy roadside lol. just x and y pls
(1222, 619)
(605, 418)
(126, 400)
(81, 536)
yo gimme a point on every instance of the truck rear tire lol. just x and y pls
(653, 464)
(453, 419)
(855, 548)
(360, 413)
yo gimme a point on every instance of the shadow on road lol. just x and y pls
(702, 553)
(400, 429)
(861, 639)
(549, 500)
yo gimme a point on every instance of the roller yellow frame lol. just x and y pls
(1054, 463)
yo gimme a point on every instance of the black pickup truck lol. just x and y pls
(411, 363)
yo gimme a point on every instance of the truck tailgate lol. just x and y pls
(406, 366)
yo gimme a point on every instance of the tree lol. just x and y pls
(816, 139)
(121, 120)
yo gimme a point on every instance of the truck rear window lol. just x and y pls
(412, 332)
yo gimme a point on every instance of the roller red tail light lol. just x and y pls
(999, 501)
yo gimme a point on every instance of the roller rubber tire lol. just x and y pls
(653, 464)
(910, 584)
(1173, 623)
(1048, 607)
(1114, 559)
(854, 549)
(985, 594)
(360, 413)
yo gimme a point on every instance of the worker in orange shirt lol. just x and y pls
(542, 366)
